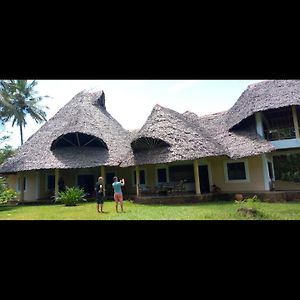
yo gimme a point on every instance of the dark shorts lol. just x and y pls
(100, 199)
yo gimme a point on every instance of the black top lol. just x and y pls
(99, 188)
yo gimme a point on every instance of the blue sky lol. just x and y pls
(130, 102)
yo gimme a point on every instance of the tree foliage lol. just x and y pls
(18, 98)
(287, 167)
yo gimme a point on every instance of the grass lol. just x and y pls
(201, 211)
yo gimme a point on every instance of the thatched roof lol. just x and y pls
(84, 114)
(193, 137)
(183, 139)
(263, 96)
(236, 143)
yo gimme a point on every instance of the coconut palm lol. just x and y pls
(18, 98)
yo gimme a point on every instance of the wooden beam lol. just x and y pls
(77, 136)
(89, 141)
(197, 178)
(68, 141)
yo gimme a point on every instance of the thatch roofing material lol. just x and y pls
(186, 139)
(237, 143)
(82, 114)
(193, 137)
(263, 96)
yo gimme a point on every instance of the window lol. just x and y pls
(162, 175)
(50, 182)
(236, 171)
(142, 177)
(181, 172)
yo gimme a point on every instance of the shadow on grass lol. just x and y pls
(5, 207)
(198, 204)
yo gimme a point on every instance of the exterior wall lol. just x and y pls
(256, 180)
(30, 192)
(12, 181)
(216, 170)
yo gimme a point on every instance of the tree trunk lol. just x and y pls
(21, 132)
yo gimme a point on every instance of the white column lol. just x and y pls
(295, 119)
(197, 178)
(259, 124)
(137, 172)
(265, 172)
(56, 183)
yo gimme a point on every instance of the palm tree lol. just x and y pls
(18, 98)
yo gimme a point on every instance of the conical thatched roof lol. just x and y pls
(84, 114)
(263, 96)
(178, 138)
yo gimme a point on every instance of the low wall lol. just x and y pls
(272, 197)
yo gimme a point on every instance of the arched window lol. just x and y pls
(148, 143)
(77, 139)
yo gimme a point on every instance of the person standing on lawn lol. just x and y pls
(100, 194)
(118, 194)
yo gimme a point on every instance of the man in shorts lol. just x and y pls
(100, 194)
(118, 195)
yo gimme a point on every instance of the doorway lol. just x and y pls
(86, 182)
(204, 179)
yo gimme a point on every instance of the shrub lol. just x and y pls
(248, 207)
(71, 196)
(6, 194)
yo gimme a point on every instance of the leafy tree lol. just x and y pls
(6, 152)
(287, 167)
(18, 98)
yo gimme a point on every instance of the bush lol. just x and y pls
(248, 207)
(6, 194)
(71, 196)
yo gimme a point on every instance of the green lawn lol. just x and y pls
(203, 211)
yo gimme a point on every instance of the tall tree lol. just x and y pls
(18, 98)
